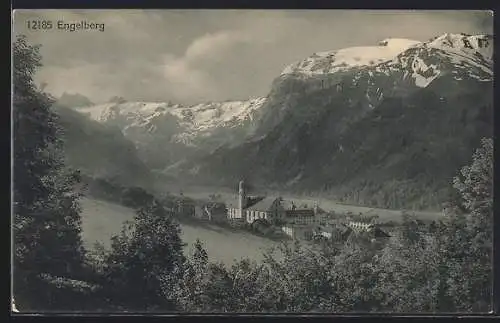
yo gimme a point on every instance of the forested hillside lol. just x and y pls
(100, 151)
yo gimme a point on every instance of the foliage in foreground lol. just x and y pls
(46, 219)
(145, 261)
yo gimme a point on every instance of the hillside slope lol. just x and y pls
(100, 151)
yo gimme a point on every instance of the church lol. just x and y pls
(250, 208)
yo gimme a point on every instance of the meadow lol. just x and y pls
(101, 220)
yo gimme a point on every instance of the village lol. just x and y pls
(275, 216)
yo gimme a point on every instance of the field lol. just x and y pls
(101, 220)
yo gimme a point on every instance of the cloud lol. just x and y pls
(81, 78)
(190, 76)
(211, 45)
(190, 56)
(185, 81)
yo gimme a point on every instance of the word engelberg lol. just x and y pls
(78, 26)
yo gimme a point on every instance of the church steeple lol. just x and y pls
(242, 199)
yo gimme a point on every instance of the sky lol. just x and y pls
(192, 56)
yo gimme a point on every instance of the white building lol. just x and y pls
(250, 208)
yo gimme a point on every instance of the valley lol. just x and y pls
(385, 126)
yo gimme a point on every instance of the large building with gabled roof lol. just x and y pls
(250, 208)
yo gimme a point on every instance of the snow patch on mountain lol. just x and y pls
(424, 74)
(106, 111)
(465, 45)
(206, 116)
(458, 54)
(347, 58)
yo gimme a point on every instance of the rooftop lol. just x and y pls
(263, 204)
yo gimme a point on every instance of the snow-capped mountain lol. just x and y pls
(156, 127)
(403, 114)
(348, 58)
(393, 67)
(419, 60)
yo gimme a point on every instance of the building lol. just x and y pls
(214, 211)
(250, 208)
(303, 212)
(185, 206)
(299, 213)
(340, 232)
(199, 212)
(371, 229)
(298, 232)
(268, 208)
(247, 208)
(332, 232)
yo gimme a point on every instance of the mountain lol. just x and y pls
(386, 125)
(99, 151)
(74, 100)
(396, 67)
(166, 133)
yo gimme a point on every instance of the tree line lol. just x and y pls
(444, 269)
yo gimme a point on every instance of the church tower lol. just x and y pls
(242, 199)
(315, 208)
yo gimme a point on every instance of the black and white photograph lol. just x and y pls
(252, 161)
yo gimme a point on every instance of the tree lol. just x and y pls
(46, 224)
(473, 277)
(475, 185)
(191, 294)
(145, 262)
(410, 230)
(292, 278)
(210, 287)
(406, 276)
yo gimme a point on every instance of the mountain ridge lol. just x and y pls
(166, 133)
(309, 121)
